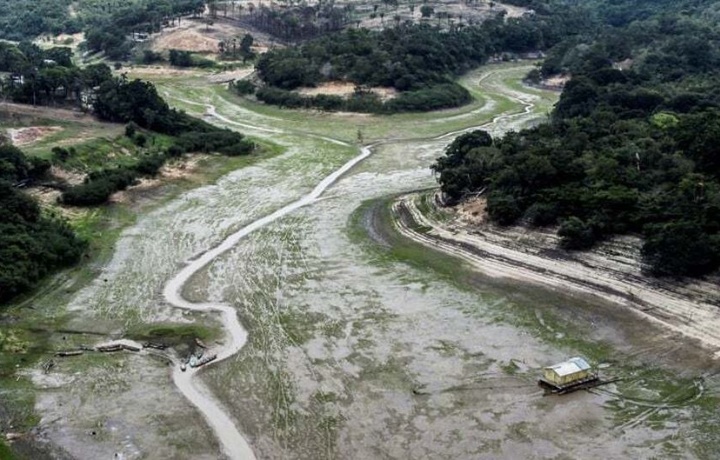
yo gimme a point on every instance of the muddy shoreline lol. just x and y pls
(634, 324)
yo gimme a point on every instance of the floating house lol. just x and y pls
(571, 374)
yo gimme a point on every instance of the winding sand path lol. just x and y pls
(234, 444)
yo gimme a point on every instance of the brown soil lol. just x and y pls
(473, 211)
(186, 39)
(558, 81)
(182, 169)
(31, 134)
(345, 89)
(196, 37)
(72, 178)
(10, 110)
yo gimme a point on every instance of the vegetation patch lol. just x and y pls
(173, 335)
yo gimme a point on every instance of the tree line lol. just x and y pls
(48, 76)
(633, 151)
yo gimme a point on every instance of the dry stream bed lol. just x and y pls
(361, 343)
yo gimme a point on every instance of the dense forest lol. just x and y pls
(632, 147)
(33, 243)
(419, 60)
(26, 19)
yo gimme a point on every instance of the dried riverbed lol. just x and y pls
(356, 349)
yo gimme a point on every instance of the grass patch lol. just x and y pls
(113, 152)
(6, 453)
(173, 334)
(488, 103)
(397, 248)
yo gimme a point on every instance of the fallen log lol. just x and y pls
(109, 348)
(67, 353)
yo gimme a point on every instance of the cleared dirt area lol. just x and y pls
(196, 36)
(345, 90)
(10, 111)
(25, 136)
(186, 39)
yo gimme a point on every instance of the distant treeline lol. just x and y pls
(420, 60)
(106, 23)
(26, 19)
(626, 151)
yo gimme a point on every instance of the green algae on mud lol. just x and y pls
(646, 391)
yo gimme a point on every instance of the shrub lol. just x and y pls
(243, 87)
(576, 234)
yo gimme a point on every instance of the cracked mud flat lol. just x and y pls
(350, 354)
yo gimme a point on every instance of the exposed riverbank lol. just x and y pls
(689, 308)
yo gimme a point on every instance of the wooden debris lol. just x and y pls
(200, 343)
(67, 353)
(109, 348)
(204, 360)
(13, 436)
(155, 345)
(128, 347)
(47, 365)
